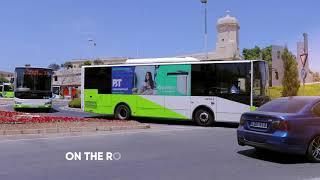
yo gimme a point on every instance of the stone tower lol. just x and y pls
(227, 45)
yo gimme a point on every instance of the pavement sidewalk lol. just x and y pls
(52, 128)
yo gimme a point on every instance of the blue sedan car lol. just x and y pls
(290, 125)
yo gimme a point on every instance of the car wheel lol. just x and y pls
(122, 112)
(313, 153)
(203, 117)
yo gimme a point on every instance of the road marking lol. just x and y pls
(97, 134)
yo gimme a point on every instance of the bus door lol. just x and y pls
(176, 88)
(234, 99)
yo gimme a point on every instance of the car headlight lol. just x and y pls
(242, 121)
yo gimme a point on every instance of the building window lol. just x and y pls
(55, 78)
(279, 55)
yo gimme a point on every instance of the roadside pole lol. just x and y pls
(304, 59)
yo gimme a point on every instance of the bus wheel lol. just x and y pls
(122, 112)
(203, 117)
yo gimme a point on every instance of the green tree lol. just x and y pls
(87, 63)
(3, 80)
(250, 54)
(267, 54)
(67, 65)
(290, 81)
(54, 66)
(98, 62)
(260, 53)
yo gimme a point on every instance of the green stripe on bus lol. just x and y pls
(8, 94)
(140, 106)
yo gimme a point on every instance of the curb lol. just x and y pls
(71, 130)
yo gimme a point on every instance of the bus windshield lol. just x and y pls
(260, 83)
(8, 88)
(29, 79)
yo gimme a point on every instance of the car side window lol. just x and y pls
(316, 109)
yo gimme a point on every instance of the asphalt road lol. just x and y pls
(163, 152)
(169, 150)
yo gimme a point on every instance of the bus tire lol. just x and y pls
(122, 112)
(203, 117)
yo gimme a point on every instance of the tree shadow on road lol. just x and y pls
(183, 122)
(171, 121)
(274, 157)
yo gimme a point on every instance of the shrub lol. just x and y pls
(290, 82)
(75, 103)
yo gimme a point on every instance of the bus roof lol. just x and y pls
(168, 61)
(161, 60)
(32, 68)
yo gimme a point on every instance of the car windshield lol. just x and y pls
(287, 105)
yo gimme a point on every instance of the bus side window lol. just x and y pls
(98, 78)
(225, 80)
(203, 80)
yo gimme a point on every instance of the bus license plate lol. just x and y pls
(260, 125)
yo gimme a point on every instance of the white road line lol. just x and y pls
(93, 135)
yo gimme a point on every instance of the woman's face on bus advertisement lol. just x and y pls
(147, 76)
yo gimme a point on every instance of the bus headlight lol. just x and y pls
(48, 103)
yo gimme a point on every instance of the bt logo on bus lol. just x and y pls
(116, 82)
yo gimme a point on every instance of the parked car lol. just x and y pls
(289, 125)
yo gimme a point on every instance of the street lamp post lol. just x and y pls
(205, 2)
(92, 43)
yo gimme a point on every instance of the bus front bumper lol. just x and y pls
(32, 103)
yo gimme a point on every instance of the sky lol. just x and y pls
(45, 32)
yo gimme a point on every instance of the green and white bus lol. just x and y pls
(176, 88)
(6, 90)
(32, 88)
